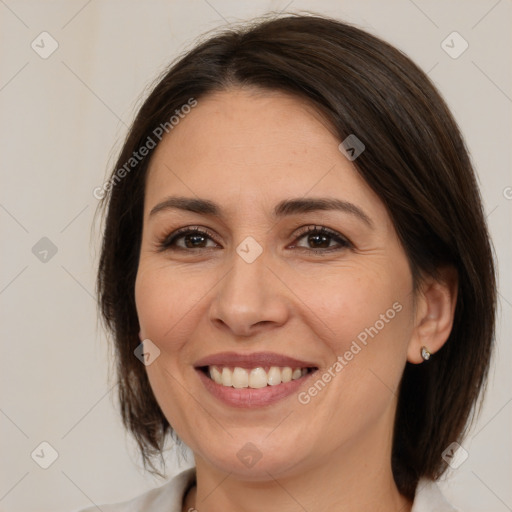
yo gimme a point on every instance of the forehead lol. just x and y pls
(253, 145)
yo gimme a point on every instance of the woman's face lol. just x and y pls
(261, 283)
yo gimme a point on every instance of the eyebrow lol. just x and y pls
(284, 208)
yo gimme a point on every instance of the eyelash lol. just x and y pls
(168, 241)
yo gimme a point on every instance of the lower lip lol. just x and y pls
(249, 397)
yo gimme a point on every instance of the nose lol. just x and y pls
(250, 298)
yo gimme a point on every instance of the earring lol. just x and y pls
(425, 354)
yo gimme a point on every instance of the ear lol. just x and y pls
(435, 309)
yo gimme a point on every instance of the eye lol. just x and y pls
(192, 237)
(320, 239)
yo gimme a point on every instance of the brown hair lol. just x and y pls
(416, 162)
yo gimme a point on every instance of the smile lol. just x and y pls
(255, 378)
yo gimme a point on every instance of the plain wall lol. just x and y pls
(62, 119)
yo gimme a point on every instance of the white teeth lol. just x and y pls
(226, 377)
(274, 376)
(215, 375)
(286, 374)
(297, 374)
(256, 377)
(240, 378)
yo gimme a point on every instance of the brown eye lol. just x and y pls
(193, 238)
(320, 239)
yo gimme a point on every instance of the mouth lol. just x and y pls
(255, 378)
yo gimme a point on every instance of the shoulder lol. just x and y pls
(168, 497)
(429, 498)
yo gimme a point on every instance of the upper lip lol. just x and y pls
(254, 360)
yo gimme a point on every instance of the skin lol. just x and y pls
(247, 150)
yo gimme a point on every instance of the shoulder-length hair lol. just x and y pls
(416, 162)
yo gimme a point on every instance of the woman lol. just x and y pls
(297, 275)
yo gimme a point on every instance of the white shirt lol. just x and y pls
(169, 497)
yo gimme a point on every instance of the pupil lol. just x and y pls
(323, 243)
(191, 240)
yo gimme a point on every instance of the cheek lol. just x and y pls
(152, 303)
(371, 317)
(368, 323)
(360, 304)
(163, 308)
(162, 302)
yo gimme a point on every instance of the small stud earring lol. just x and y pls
(425, 354)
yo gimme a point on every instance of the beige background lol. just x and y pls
(62, 119)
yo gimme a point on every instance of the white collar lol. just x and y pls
(429, 498)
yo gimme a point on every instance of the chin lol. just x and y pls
(256, 467)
